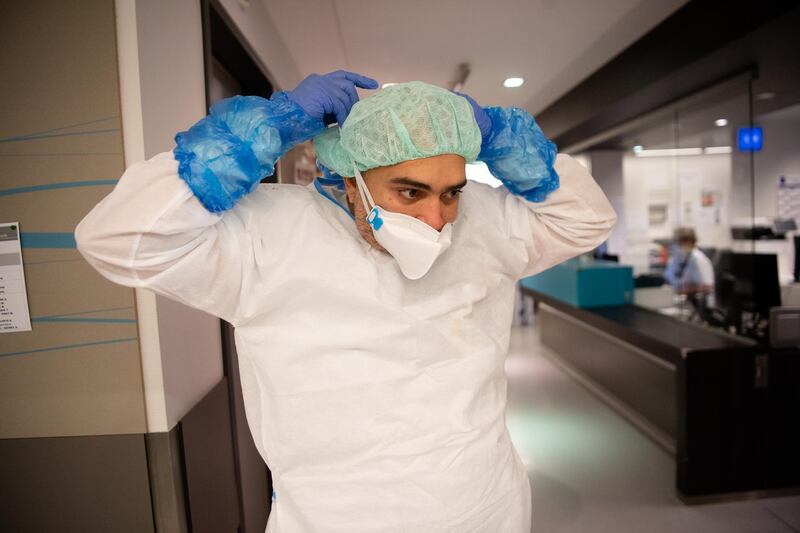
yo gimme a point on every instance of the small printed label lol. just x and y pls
(14, 314)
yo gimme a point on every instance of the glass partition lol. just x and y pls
(708, 205)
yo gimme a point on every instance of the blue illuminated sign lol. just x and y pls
(751, 139)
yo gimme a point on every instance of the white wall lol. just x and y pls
(677, 182)
(258, 29)
(162, 92)
(160, 50)
(780, 157)
(172, 85)
(606, 168)
(170, 42)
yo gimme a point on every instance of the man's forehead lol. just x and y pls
(444, 170)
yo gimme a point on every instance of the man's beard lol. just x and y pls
(363, 226)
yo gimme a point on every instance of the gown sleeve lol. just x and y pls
(170, 224)
(550, 208)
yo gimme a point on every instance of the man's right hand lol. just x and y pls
(329, 97)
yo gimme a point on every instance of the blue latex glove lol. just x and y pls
(483, 120)
(329, 97)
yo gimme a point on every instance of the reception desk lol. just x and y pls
(727, 408)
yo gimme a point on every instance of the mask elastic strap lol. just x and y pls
(366, 197)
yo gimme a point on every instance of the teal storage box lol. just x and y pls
(585, 283)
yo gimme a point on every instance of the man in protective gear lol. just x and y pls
(372, 309)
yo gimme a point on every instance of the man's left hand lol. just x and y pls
(483, 120)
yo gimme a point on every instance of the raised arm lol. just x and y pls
(573, 219)
(551, 205)
(170, 224)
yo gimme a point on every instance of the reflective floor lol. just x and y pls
(591, 471)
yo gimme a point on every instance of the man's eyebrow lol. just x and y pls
(457, 186)
(410, 183)
(424, 186)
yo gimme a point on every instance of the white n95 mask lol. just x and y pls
(413, 244)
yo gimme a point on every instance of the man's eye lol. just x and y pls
(409, 194)
(454, 194)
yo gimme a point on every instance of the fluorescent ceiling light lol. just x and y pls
(677, 152)
(385, 85)
(670, 152)
(711, 150)
(721, 122)
(767, 95)
(513, 82)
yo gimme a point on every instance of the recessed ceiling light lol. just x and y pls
(721, 122)
(767, 95)
(513, 82)
(385, 85)
(638, 148)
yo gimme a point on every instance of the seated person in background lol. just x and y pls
(689, 271)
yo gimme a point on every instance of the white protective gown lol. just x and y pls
(377, 402)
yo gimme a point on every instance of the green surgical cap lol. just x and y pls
(399, 123)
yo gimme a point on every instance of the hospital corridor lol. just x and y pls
(399, 266)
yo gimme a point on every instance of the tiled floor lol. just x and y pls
(591, 471)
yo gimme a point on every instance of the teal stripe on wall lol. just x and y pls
(68, 346)
(101, 310)
(52, 135)
(60, 128)
(47, 240)
(51, 186)
(92, 320)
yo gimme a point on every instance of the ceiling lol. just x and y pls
(694, 126)
(553, 44)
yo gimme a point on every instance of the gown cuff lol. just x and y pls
(225, 155)
(518, 154)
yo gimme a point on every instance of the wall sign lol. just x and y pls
(750, 139)
(14, 314)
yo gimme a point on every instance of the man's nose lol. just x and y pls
(433, 214)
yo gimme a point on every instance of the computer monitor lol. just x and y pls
(783, 225)
(797, 258)
(752, 233)
(784, 327)
(724, 279)
(748, 282)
